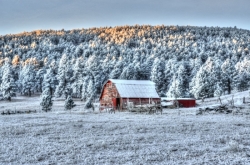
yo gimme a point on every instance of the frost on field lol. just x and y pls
(124, 138)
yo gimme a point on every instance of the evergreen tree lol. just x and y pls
(69, 103)
(46, 99)
(202, 84)
(182, 81)
(242, 82)
(157, 75)
(228, 75)
(27, 78)
(128, 73)
(39, 79)
(89, 101)
(217, 78)
(77, 78)
(84, 88)
(172, 93)
(49, 81)
(90, 88)
(8, 86)
(64, 77)
(242, 79)
(117, 70)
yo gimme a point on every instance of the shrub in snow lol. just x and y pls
(46, 100)
(69, 103)
(233, 146)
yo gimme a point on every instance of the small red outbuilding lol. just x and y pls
(183, 102)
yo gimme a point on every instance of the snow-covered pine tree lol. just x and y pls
(90, 87)
(84, 88)
(181, 83)
(8, 86)
(77, 78)
(242, 80)
(28, 81)
(46, 99)
(89, 101)
(202, 85)
(69, 103)
(138, 72)
(148, 66)
(157, 75)
(228, 75)
(116, 72)
(49, 81)
(171, 93)
(128, 72)
(39, 79)
(217, 78)
(64, 77)
(169, 74)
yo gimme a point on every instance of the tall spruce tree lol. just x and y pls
(8, 86)
(28, 81)
(64, 77)
(46, 99)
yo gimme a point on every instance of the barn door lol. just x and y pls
(114, 102)
(118, 104)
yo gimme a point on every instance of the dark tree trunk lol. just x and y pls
(229, 86)
(50, 90)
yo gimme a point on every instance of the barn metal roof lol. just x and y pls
(135, 88)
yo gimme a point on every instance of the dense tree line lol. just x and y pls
(183, 61)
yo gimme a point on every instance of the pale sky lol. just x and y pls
(27, 15)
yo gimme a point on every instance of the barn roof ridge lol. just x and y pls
(132, 82)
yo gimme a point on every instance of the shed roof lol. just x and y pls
(135, 88)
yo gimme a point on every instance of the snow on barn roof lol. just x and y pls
(135, 88)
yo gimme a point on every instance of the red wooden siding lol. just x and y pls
(187, 103)
(109, 92)
(110, 97)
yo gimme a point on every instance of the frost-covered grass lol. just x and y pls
(77, 137)
(124, 138)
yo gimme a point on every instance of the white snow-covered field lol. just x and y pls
(176, 137)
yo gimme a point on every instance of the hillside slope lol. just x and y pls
(183, 61)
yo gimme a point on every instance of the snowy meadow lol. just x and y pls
(179, 136)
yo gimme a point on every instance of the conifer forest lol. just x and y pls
(183, 61)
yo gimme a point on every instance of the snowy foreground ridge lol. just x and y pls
(179, 136)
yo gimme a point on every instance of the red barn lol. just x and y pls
(117, 93)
